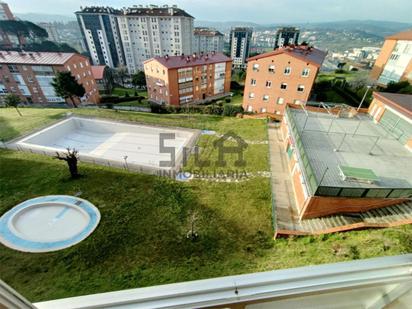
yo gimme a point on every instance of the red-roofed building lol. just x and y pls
(29, 75)
(285, 75)
(101, 75)
(183, 79)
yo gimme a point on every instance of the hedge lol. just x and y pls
(212, 109)
(116, 99)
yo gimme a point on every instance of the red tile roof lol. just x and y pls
(98, 71)
(305, 53)
(404, 35)
(401, 102)
(173, 62)
(42, 58)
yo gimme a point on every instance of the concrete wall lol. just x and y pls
(318, 206)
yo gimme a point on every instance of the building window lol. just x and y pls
(305, 72)
(283, 86)
(265, 97)
(297, 102)
(268, 84)
(253, 82)
(287, 70)
(271, 69)
(251, 95)
(281, 100)
(301, 88)
(256, 67)
(263, 110)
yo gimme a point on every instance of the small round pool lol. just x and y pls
(48, 223)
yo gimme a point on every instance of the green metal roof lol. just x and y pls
(358, 173)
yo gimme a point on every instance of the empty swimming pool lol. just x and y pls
(119, 144)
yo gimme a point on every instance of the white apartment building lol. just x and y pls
(207, 40)
(398, 63)
(153, 31)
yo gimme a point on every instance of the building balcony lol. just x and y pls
(371, 283)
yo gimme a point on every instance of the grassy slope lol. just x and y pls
(12, 125)
(141, 238)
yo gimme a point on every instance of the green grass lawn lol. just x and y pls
(143, 103)
(141, 238)
(237, 99)
(12, 125)
(121, 91)
(348, 75)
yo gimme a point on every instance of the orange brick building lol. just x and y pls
(283, 76)
(177, 80)
(394, 112)
(395, 59)
(347, 172)
(29, 75)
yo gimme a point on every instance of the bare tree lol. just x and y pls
(71, 157)
(192, 234)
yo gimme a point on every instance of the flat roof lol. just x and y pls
(390, 161)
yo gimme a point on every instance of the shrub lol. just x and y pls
(135, 93)
(235, 86)
(340, 71)
(157, 108)
(399, 87)
(126, 94)
(109, 98)
(232, 110)
(228, 100)
(213, 109)
(109, 105)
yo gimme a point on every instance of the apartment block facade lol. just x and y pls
(394, 62)
(207, 40)
(283, 76)
(29, 75)
(286, 36)
(240, 38)
(5, 12)
(101, 35)
(8, 40)
(176, 80)
(153, 31)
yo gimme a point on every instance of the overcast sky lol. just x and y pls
(259, 11)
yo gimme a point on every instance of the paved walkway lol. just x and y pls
(282, 189)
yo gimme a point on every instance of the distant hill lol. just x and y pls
(224, 26)
(372, 27)
(37, 17)
(379, 28)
